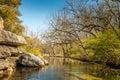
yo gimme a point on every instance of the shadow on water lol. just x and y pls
(66, 69)
(5, 77)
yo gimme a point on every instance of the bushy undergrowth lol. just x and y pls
(105, 47)
(33, 45)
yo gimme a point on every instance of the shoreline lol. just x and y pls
(110, 65)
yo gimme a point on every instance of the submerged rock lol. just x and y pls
(30, 60)
(9, 38)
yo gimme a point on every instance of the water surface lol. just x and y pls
(66, 69)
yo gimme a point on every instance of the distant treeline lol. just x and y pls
(87, 29)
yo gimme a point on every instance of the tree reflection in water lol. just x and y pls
(66, 69)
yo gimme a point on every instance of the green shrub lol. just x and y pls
(33, 45)
(105, 47)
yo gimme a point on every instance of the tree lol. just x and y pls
(9, 12)
(82, 20)
(105, 47)
(34, 44)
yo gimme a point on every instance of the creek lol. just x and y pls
(66, 69)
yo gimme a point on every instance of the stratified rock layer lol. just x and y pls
(1, 23)
(8, 38)
(7, 51)
(4, 64)
(9, 43)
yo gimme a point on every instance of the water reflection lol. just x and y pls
(4, 76)
(66, 69)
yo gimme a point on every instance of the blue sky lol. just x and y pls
(36, 13)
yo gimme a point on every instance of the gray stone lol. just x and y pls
(8, 38)
(30, 60)
(6, 51)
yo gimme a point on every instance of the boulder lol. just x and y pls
(6, 51)
(30, 60)
(8, 38)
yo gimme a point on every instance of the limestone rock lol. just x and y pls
(8, 38)
(30, 60)
(13, 61)
(6, 51)
(1, 23)
(5, 70)
(4, 64)
(4, 55)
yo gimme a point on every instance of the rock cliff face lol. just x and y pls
(10, 53)
(1, 23)
(8, 38)
(9, 43)
(7, 51)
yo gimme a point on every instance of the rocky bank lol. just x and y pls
(11, 55)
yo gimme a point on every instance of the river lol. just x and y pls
(66, 69)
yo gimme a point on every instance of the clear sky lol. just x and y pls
(36, 13)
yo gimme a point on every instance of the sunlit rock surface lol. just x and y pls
(31, 60)
(5, 75)
(7, 51)
(1, 23)
(5, 68)
(4, 64)
(8, 38)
